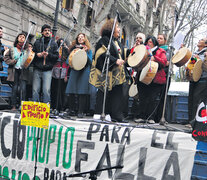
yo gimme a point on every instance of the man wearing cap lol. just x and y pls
(46, 55)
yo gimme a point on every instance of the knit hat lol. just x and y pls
(142, 36)
(45, 26)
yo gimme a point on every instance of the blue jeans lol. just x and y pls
(46, 77)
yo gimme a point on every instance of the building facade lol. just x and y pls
(15, 17)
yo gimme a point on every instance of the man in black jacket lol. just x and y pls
(46, 55)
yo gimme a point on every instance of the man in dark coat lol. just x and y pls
(46, 55)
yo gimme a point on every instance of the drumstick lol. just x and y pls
(44, 60)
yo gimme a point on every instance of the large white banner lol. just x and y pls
(70, 147)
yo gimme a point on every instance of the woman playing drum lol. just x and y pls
(78, 83)
(16, 74)
(149, 93)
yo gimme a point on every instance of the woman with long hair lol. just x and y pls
(78, 84)
(148, 94)
(18, 75)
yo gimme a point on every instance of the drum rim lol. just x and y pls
(84, 54)
(182, 50)
(130, 59)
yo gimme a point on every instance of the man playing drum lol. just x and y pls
(46, 55)
(197, 90)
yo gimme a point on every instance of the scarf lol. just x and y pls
(165, 47)
(19, 45)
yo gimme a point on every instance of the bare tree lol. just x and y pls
(148, 16)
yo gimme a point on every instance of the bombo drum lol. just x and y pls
(78, 59)
(148, 72)
(139, 58)
(28, 58)
(194, 70)
(181, 57)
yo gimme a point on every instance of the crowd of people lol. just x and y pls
(80, 92)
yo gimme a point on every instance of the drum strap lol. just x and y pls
(115, 77)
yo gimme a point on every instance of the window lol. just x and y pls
(90, 13)
(68, 4)
(137, 7)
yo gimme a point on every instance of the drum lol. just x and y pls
(194, 70)
(28, 58)
(181, 57)
(133, 91)
(139, 58)
(148, 72)
(204, 65)
(78, 59)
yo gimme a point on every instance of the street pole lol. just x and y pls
(54, 29)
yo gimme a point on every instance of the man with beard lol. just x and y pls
(46, 55)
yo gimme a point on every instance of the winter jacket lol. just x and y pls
(41, 45)
(161, 59)
(9, 59)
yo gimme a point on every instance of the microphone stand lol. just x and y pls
(37, 145)
(93, 173)
(22, 53)
(162, 120)
(106, 63)
(59, 100)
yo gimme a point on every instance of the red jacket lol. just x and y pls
(161, 59)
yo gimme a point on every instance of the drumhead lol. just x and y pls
(148, 74)
(137, 56)
(133, 90)
(79, 59)
(197, 70)
(144, 72)
(181, 57)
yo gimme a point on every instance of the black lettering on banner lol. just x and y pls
(105, 133)
(46, 174)
(173, 160)
(5, 151)
(52, 175)
(105, 156)
(91, 130)
(82, 156)
(65, 176)
(18, 145)
(154, 138)
(120, 161)
(21, 142)
(115, 136)
(170, 145)
(14, 142)
(58, 175)
(126, 135)
(142, 160)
